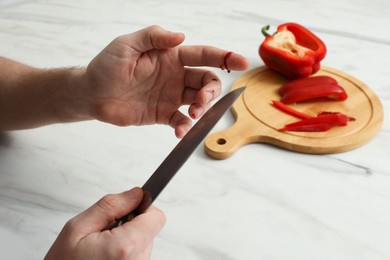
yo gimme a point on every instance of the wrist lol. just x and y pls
(69, 101)
(32, 97)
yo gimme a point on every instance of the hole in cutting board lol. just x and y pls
(221, 141)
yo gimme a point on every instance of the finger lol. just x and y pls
(212, 57)
(143, 229)
(203, 86)
(196, 111)
(152, 37)
(107, 210)
(180, 123)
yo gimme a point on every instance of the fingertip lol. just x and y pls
(239, 62)
(196, 110)
(182, 130)
(168, 39)
(245, 64)
(180, 123)
(135, 193)
(179, 36)
(209, 92)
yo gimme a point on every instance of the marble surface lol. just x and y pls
(263, 202)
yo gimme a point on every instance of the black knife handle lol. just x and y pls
(142, 207)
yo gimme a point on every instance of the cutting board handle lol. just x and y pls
(222, 144)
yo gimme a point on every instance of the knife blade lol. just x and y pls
(182, 151)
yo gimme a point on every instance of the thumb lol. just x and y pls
(153, 37)
(107, 210)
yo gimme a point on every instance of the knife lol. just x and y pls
(179, 155)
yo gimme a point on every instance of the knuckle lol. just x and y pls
(126, 250)
(71, 227)
(70, 224)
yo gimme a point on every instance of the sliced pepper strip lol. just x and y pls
(327, 113)
(289, 110)
(319, 123)
(307, 128)
(293, 50)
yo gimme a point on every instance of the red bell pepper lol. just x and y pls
(311, 88)
(323, 122)
(293, 50)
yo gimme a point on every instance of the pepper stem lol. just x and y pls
(264, 30)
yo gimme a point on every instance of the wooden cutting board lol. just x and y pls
(257, 121)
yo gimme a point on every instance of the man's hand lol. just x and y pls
(138, 79)
(145, 77)
(89, 235)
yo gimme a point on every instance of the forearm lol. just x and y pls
(31, 97)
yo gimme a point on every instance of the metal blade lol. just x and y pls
(179, 155)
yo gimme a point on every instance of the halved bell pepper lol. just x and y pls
(293, 50)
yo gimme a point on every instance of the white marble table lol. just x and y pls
(263, 202)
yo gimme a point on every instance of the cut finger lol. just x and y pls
(211, 57)
(209, 92)
(197, 78)
(196, 111)
(203, 86)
